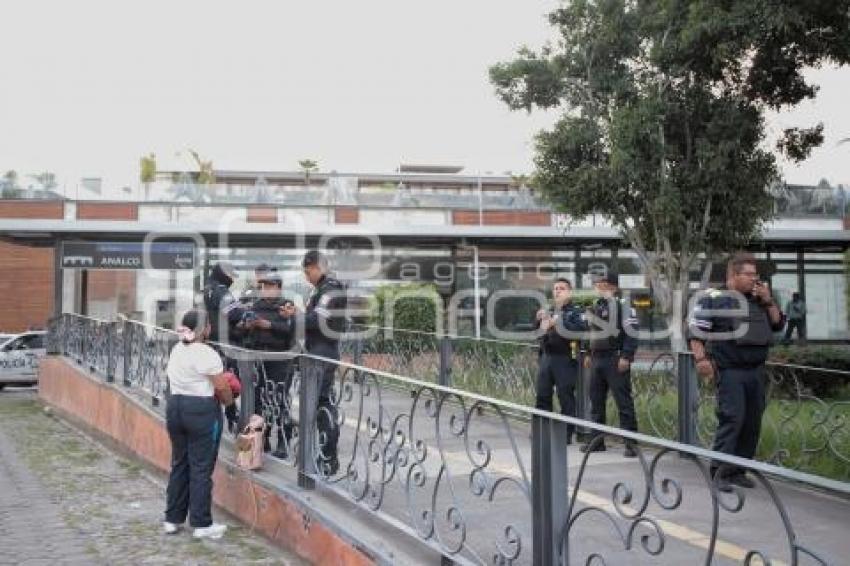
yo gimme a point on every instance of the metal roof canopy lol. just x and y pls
(42, 231)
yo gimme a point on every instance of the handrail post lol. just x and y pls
(111, 338)
(308, 406)
(550, 491)
(688, 399)
(247, 378)
(582, 394)
(445, 377)
(127, 340)
(81, 359)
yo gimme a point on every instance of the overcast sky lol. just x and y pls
(89, 86)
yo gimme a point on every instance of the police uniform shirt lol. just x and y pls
(322, 312)
(623, 342)
(220, 302)
(750, 348)
(567, 319)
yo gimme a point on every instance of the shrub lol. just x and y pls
(410, 306)
(821, 384)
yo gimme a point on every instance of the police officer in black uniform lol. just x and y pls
(324, 323)
(558, 368)
(224, 310)
(271, 328)
(612, 351)
(252, 294)
(225, 313)
(732, 349)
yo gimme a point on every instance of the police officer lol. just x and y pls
(324, 323)
(224, 310)
(558, 368)
(732, 348)
(252, 294)
(612, 351)
(225, 313)
(270, 328)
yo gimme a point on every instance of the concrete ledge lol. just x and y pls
(308, 523)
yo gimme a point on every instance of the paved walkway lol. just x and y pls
(65, 499)
(485, 510)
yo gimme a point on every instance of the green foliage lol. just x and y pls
(662, 126)
(409, 307)
(47, 180)
(206, 170)
(147, 168)
(308, 166)
(824, 385)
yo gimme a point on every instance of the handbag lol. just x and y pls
(234, 383)
(249, 444)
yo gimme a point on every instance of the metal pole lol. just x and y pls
(550, 491)
(477, 291)
(84, 292)
(688, 399)
(445, 377)
(111, 337)
(58, 278)
(308, 405)
(127, 338)
(582, 396)
(247, 377)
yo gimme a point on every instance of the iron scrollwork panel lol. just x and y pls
(637, 521)
(433, 459)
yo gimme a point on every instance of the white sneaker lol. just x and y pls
(214, 531)
(170, 528)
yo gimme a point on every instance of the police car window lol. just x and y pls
(14, 345)
(34, 341)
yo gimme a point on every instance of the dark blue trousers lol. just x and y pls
(605, 376)
(194, 427)
(558, 373)
(740, 406)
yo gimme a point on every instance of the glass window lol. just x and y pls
(34, 341)
(783, 286)
(826, 306)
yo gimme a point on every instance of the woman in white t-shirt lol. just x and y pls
(194, 422)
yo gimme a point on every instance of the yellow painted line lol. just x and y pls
(675, 530)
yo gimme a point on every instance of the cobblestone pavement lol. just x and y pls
(65, 499)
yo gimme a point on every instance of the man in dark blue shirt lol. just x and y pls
(558, 368)
(731, 331)
(612, 349)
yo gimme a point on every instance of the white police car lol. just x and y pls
(20, 355)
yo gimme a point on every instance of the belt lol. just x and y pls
(605, 353)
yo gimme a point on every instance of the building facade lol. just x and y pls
(467, 234)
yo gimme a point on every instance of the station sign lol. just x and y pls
(128, 255)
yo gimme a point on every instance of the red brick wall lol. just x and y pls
(118, 285)
(26, 286)
(502, 218)
(107, 211)
(49, 209)
(261, 214)
(346, 215)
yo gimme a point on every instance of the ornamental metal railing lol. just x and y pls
(806, 425)
(480, 480)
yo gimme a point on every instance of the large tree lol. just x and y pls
(662, 127)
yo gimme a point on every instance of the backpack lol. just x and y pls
(249, 444)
